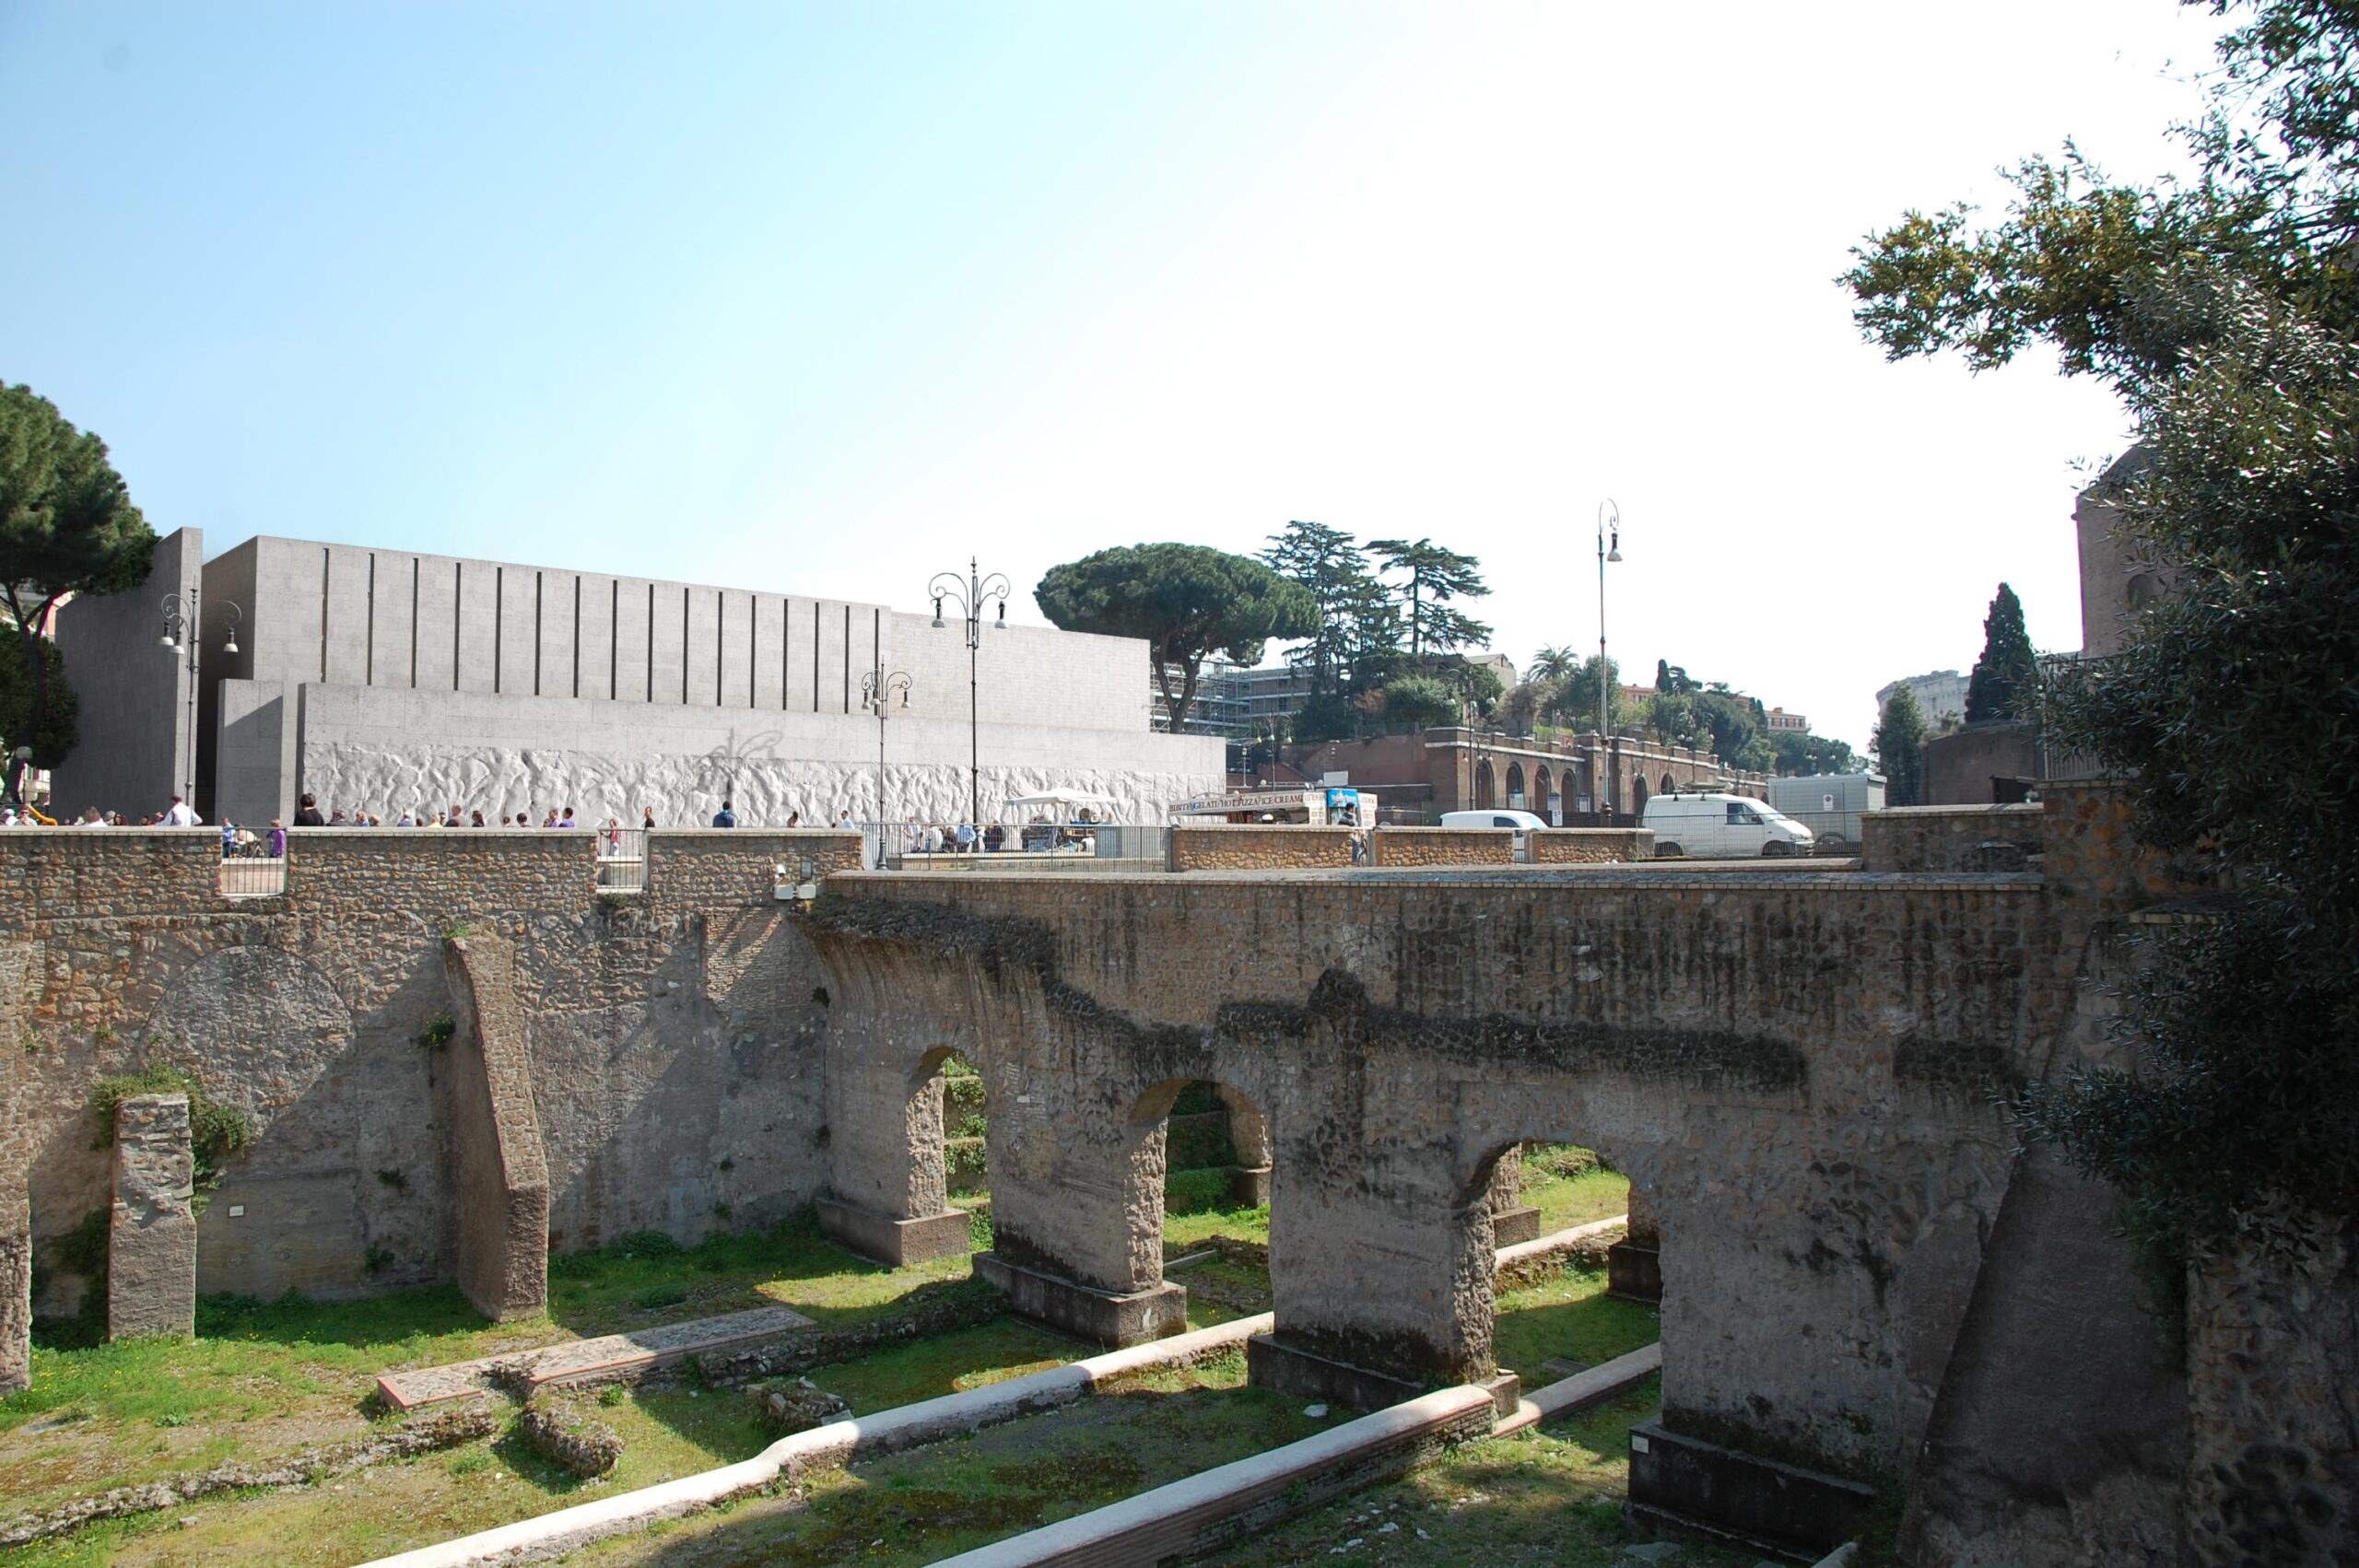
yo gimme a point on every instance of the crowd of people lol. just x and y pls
(963, 836)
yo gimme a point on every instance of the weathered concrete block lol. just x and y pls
(1271, 1362)
(1510, 1227)
(499, 1170)
(151, 1239)
(1248, 1186)
(1103, 1318)
(1684, 1481)
(897, 1243)
(1634, 1272)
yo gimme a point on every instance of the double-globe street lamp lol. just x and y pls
(877, 689)
(1604, 554)
(971, 594)
(182, 630)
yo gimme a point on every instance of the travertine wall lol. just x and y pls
(1583, 845)
(1257, 847)
(499, 1171)
(1444, 847)
(669, 1034)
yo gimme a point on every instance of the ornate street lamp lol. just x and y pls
(971, 595)
(877, 689)
(182, 631)
(1604, 554)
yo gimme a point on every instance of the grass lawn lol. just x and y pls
(269, 1379)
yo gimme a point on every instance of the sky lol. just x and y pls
(823, 299)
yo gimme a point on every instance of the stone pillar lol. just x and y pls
(1077, 1224)
(1634, 1264)
(1378, 1300)
(887, 1196)
(16, 1205)
(1512, 1219)
(499, 1179)
(151, 1239)
(1248, 1134)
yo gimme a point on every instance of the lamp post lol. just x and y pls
(876, 691)
(184, 630)
(1604, 554)
(971, 594)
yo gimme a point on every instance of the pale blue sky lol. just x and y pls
(819, 298)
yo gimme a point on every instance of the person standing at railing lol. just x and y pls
(725, 817)
(277, 839)
(179, 815)
(994, 836)
(308, 813)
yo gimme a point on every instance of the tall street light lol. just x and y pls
(181, 630)
(877, 689)
(1604, 554)
(971, 595)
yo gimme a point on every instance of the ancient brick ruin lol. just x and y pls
(458, 1056)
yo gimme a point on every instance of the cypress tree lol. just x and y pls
(1899, 746)
(2005, 677)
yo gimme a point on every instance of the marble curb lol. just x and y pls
(822, 1447)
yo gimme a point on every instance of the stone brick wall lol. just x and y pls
(1245, 846)
(1444, 847)
(1580, 845)
(671, 1035)
(498, 1166)
(1951, 839)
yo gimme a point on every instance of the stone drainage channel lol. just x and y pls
(1198, 1513)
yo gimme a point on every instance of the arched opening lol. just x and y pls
(1204, 1204)
(1558, 1299)
(1484, 794)
(1542, 788)
(1515, 787)
(1669, 785)
(1639, 796)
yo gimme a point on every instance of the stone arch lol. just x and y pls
(1542, 788)
(1670, 783)
(1250, 1178)
(1515, 785)
(1485, 790)
(1639, 795)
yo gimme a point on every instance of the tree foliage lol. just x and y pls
(1422, 700)
(66, 526)
(1431, 577)
(1899, 747)
(2005, 679)
(61, 716)
(2224, 311)
(1188, 600)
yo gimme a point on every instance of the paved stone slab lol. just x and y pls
(577, 1359)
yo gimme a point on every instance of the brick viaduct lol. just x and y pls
(1865, 1281)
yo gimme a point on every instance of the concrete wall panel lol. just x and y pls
(478, 615)
(597, 635)
(135, 746)
(700, 650)
(437, 624)
(517, 631)
(345, 649)
(834, 620)
(736, 615)
(668, 643)
(768, 652)
(393, 648)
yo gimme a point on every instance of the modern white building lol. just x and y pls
(379, 680)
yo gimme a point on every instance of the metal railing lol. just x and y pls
(1042, 847)
(251, 870)
(622, 860)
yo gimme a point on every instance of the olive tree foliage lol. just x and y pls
(1189, 601)
(66, 526)
(2224, 311)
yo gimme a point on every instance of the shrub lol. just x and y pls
(215, 1131)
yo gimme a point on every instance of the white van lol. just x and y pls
(1717, 827)
(1524, 825)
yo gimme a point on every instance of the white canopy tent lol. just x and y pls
(1071, 802)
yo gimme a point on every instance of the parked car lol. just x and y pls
(1714, 827)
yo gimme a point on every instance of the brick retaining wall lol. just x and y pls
(1249, 847)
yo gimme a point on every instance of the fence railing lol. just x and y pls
(622, 860)
(252, 872)
(1076, 846)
